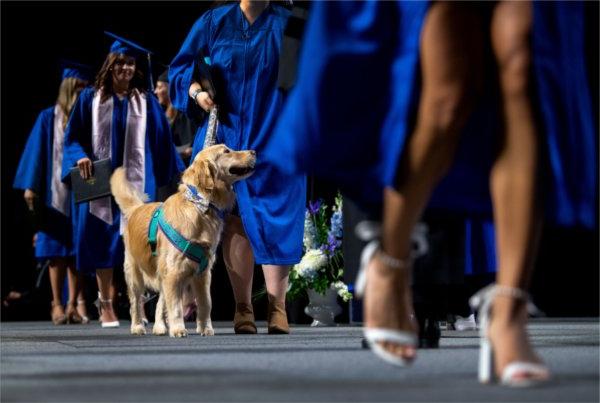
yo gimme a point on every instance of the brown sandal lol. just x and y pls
(243, 320)
(57, 318)
(277, 322)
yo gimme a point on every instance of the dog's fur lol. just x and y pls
(213, 172)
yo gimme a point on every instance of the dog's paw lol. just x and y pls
(205, 331)
(159, 329)
(178, 332)
(138, 330)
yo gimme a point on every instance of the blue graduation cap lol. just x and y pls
(77, 70)
(129, 48)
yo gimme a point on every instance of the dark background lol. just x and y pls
(34, 35)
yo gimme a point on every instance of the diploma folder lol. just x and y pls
(96, 186)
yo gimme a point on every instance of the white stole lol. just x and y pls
(60, 191)
(134, 156)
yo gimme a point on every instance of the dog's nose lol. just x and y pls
(253, 153)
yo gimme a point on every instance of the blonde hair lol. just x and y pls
(68, 92)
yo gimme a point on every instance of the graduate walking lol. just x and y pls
(120, 120)
(242, 42)
(38, 175)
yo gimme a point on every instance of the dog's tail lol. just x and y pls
(126, 196)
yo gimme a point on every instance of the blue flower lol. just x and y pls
(313, 207)
(331, 245)
(336, 224)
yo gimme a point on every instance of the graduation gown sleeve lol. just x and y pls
(78, 133)
(181, 70)
(30, 172)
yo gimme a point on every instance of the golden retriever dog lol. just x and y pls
(211, 176)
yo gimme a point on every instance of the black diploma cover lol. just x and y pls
(95, 187)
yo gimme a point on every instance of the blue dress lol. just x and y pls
(245, 60)
(349, 115)
(98, 244)
(35, 173)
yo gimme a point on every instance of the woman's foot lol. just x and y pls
(243, 319)
(108, 318)
(57, 313)
(277, 322)
(510, 341)
(388, 304)
(72, 314)
(82, 311)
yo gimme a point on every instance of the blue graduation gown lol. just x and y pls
(348, 117)
(97, 244)
(245, 59)
(35, 173)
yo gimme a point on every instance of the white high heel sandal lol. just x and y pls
(511, 374)
(98, 303)
(374, 336)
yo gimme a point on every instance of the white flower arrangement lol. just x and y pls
(321, 266)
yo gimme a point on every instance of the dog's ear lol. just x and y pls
(207, 174)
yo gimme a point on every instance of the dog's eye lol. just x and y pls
(226, 151)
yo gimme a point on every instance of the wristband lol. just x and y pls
(195, 94)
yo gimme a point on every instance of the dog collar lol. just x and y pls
(201, 203)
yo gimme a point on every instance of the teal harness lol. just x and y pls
(191, 250)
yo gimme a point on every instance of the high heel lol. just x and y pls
(99, 302)
(57, 319)
(374, 336)
(513, 373)
(72, 315)
(84, 318)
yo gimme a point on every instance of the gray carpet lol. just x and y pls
(41, 362)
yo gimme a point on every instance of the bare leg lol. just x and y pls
(513, 182)
(73, 283)
(446, 44)
(81, 304)
(201, 286)
(57, 271)
(276, 281)
(239, 259)
(72, 276)
(104, 278)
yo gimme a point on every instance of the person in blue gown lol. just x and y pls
(242, 41)
(383, 95)
(38, 174)
(120, 120)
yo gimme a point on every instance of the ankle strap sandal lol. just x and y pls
(516, 373)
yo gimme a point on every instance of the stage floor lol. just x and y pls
(42, 362)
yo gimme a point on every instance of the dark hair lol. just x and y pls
(104, 79)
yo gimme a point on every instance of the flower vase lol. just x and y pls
(322, 308)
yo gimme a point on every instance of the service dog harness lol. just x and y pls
(192, 250)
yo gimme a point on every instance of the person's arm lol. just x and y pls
(201, 97)
(78, 137)
(182, 84)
